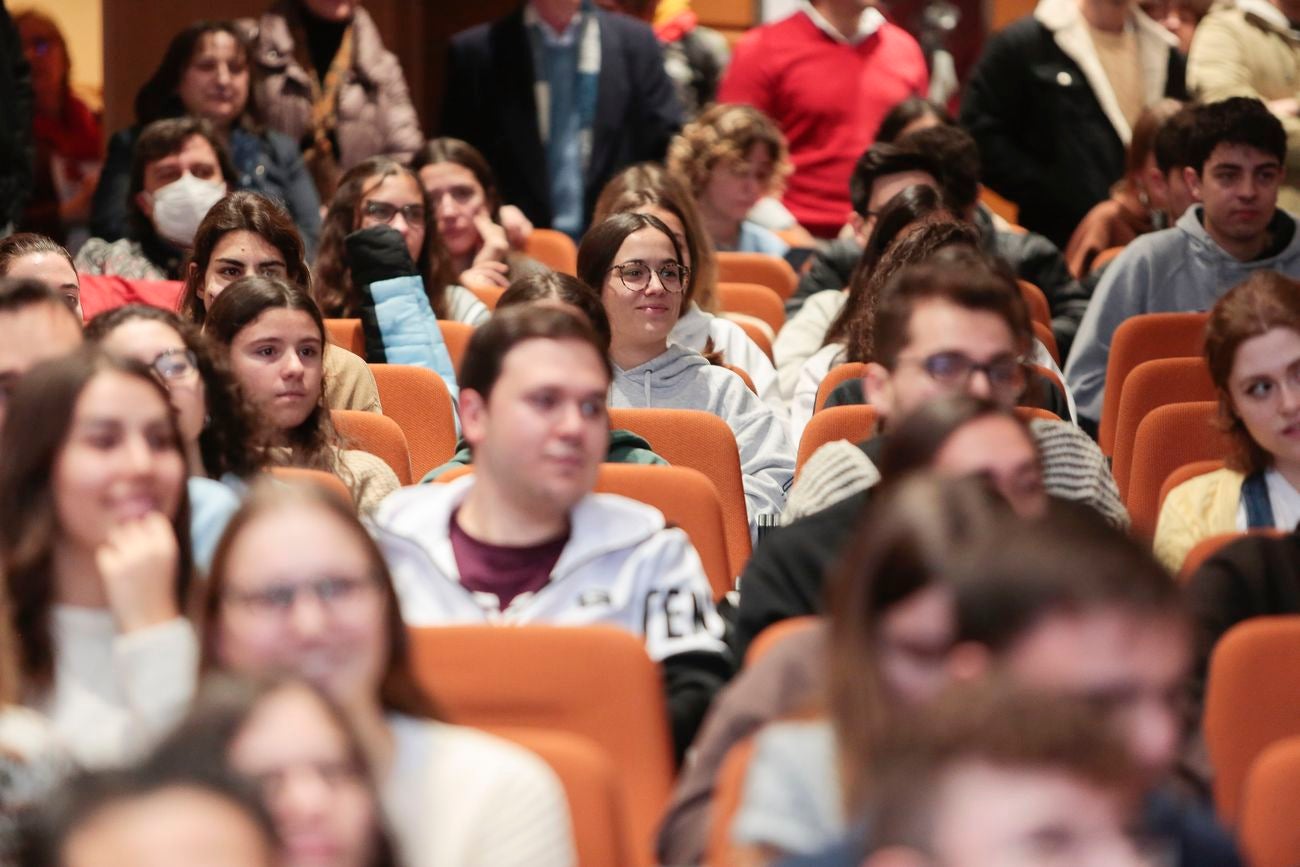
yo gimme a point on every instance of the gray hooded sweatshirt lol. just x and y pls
(1180, 269)
(683, 379)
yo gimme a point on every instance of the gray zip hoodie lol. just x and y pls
(1180, 269)
(682, 379)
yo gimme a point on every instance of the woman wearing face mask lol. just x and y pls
(95, 553)
(273, 337)
(179, 170)
(297, 746)
(635, 264)
(299, 587)
(205, 73)
(464, 200)
(246, 235)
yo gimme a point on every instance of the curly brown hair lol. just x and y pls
(721, 136)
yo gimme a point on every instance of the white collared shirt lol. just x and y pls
(549, 36)
(870, 21)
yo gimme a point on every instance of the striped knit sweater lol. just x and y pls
(1073, 469)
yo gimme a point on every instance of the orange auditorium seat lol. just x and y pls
(753, 299)
(838, 374)
(1269, 832)
(771, 271)
(418, 400)
(348, 334)
(1039, 311)
(377, 434)
(553, 249)
(852, 422)
(727, 795)
(1168, 438)
(1149, 385)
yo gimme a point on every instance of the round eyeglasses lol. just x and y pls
(636, 275)
(174, 365)
(383, 212)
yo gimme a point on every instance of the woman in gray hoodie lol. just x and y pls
(635, 264)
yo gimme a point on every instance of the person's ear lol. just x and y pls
(1193, 181)
(473, 416)
(144, 202)
(859, 224)
(896, 856)
(969, 661)
(878, 388)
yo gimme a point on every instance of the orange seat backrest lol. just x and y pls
(1152, 384)
(1105, 257)
(553, 249)
(852, 422)
(1169, 437)
(417, 399)
(1250, 702)
(303, 476)
(692, 438)
(728, 792)
(756, 333)
(1004, 208)
(1039, 311)
(1138, 339)
(456, 335)
(596, 682)
(779, 631)
(771, 271)
(753, 299)
(1269, 831)
(377, 434)
(348, 334)
(489, 295)
(1048, 339)
(1030, 413)
(591, 787)
(836, 375)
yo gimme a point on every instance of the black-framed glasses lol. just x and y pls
(385, 212)
(173, 365)
(1006, 374)
(331, 591)
(636, 275)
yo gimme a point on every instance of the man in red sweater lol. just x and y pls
(827, 75)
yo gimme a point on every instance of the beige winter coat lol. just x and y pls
(1248, 49)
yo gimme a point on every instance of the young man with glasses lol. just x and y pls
(525, 541)
(953, 324)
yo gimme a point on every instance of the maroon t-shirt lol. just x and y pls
(501, 570)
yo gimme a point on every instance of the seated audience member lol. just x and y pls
(292, 741)
(1053, 100)
(36, 324)
(25, 256)
(1179, 17)
(95, 553)
(172, 811)
(1135, 207)
(498, 803)
(912, 115)
(463, 198)
(524, 539)
(993, 775)
(732, 156)
(179, 169)
(205, 73)
(325, 79)
(695, 56)
(272, 337)
(783, 68)
(956, 437)
(600, 78)
(1235, 153)
(567, 293)
(219, 434)
(1252, 344)
(68, 137)
(1064, 605)
(245, 235)
(634, 261)
(938, 324)
(648, 189)
(1246, 48)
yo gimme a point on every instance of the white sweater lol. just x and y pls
(457, 797)
(115, 695)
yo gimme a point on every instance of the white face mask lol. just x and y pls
(179, 207)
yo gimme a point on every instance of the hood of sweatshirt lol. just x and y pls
(670, 379)
(1227, 270)
(692, 329)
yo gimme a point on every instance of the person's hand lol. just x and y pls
(489, 267)
(488, 274)
(517, 226)
(1288, 107)
(138, 565)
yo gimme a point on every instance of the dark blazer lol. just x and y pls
(490, 104)
(1045, 142)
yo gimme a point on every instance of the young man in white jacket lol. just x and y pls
(524, 540)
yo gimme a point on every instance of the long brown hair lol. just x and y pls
(313, 443)
(908, 536)
(40, 416)
(1263, 301)
(241, 211)
(649, 185)
(399, 691)
(465, 155)
(334, 291)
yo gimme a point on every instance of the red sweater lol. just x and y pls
(828, 98)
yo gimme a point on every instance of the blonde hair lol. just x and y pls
(725, 134)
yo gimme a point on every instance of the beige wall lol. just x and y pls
(82, 23)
